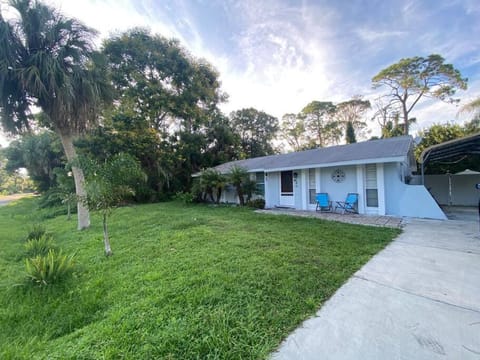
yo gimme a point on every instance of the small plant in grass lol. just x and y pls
(109, 184)
(40, 246)
(36, 232)
(51, 268)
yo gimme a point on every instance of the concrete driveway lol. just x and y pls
(4, 200)
(417, 299)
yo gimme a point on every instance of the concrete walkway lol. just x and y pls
(417, 299)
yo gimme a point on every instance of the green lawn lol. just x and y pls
(185, 282)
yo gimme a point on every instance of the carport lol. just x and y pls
(455, 191)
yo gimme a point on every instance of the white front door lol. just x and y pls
(286, 189)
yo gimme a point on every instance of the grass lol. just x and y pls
(185, 282)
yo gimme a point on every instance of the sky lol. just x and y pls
(277, 56)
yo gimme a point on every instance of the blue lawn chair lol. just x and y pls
(323, 202)
(349, 205)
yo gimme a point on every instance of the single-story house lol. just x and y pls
(378, 170)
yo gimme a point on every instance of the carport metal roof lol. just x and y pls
(449, 150)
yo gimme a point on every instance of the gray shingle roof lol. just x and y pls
(363, 151)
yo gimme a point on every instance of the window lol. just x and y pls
(260, 181)
(311, 187)
(372, 198)
(371, 185)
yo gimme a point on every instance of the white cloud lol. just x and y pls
(286, 58)
(371, 35)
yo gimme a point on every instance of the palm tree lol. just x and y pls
(212, 181)
(238, 176)
(48, 61)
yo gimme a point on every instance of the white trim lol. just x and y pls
(381, 189)
(360, 189)
(309, 206)
(371, 210)
(318, 180)
(304, 188)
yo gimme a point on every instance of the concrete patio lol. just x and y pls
(417, 299)
(373, 220)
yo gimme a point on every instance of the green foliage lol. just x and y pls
(320, 124)
(39, 246)
(293, 131)
(350, 117)
(32, 72)
(411, 79)
(36, 232)
(238, 176)
(109, 184)
(256, 130)
(439, 133)
(350, 134)
(41, 154)
(185, 197)
(51, 268)
(211, 183)
(150, 72)
(63, 193)
(256, 203)
(166, 114)
(48, 61)
(187, 282)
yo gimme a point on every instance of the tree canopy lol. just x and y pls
(349, 115)
(256, 130)
(293, 131)
(321, 127)
(411, 79)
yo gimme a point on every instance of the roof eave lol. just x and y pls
(332, 164)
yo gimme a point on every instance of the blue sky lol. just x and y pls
(277, 56)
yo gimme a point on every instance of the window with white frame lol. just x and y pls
(312, 192)
(260, 181)
(371, 185)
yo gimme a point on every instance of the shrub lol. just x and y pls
(184, 197)
(40, 246)
(256, 203)
(49, 269)
(36, 232)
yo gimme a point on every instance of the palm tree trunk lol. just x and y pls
(82, 210)
(106, 241)
(240, 195)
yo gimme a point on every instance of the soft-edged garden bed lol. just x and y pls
(184, 282)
